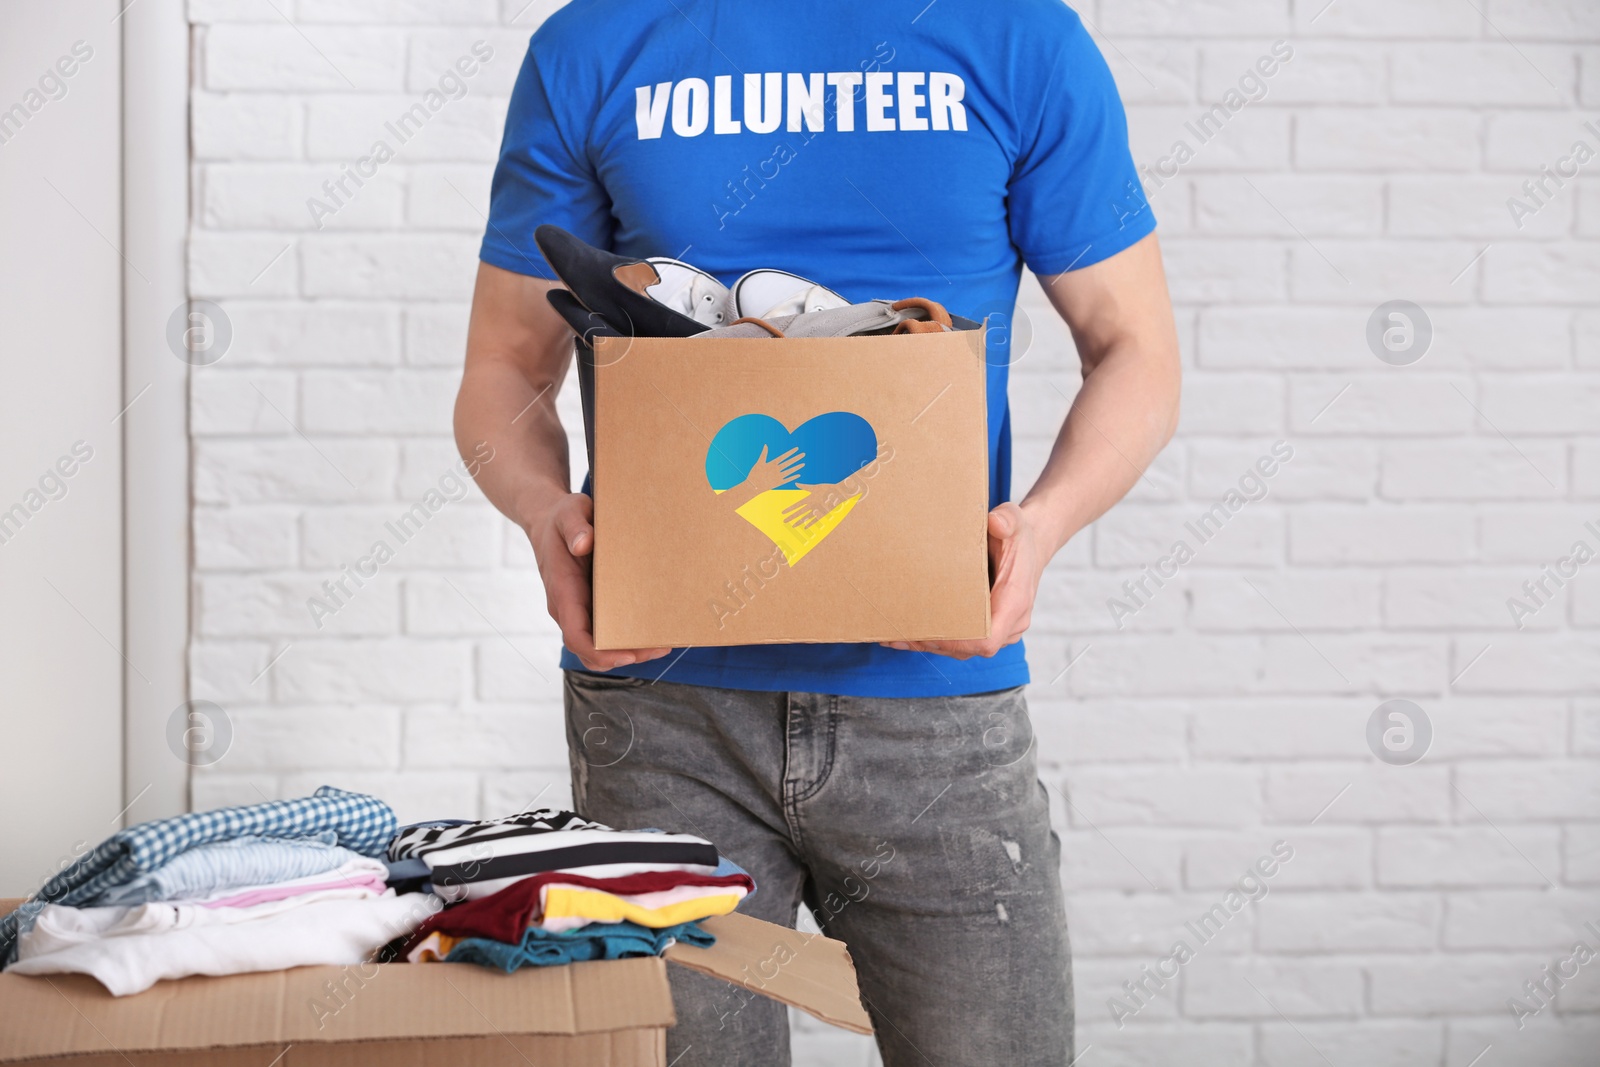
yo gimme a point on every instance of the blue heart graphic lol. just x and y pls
(836, 445)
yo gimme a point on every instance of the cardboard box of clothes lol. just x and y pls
(790, 489)
(601, 1014)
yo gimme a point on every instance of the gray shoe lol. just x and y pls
(852, 320)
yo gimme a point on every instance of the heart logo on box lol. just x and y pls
(775, 469)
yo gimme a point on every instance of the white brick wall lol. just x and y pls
(1222, 717)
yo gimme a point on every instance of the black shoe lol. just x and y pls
(587, 325)
(612, 286)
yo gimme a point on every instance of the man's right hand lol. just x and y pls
(518, 352)
(563, 543)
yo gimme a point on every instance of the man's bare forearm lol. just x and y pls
(1127, 409)
(1122, 417)
(517, 355)
(498, 404)
(518, 351)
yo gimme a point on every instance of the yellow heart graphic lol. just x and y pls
(765, 513)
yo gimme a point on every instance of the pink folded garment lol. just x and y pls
(266, 893)
(366, 875)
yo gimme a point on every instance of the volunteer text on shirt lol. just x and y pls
(920, 101)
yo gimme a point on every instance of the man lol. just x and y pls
(882, 150)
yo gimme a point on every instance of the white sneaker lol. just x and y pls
(690, 291)
(769, 293)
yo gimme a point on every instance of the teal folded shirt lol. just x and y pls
(597, 941)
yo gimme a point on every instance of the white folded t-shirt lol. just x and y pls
(131, 951)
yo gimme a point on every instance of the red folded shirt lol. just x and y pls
(506, 915)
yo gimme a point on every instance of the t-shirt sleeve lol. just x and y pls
(1075, 197)
(543, 175)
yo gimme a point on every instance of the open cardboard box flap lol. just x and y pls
(73, 1015)
(805, 971)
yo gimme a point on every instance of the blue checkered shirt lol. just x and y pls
(363, 824)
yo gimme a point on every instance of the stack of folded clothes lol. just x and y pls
(549, 887)
(286, 883)
(328, 879)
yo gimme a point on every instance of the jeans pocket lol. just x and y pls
(978, 732)
(601, 682)
(600, 728)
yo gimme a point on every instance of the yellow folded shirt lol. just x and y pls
(570, 907)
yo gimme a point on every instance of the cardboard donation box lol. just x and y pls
(611, 1014)
(761, 490)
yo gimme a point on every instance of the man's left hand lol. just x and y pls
(1017, 556)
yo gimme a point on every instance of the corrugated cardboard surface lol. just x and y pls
(806, 971)
(307, 1005)
(621, 1048)
(611, 1014)
(908, 562)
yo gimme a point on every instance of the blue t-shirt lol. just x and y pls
(884, 150)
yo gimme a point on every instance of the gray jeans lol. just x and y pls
(916, 830)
